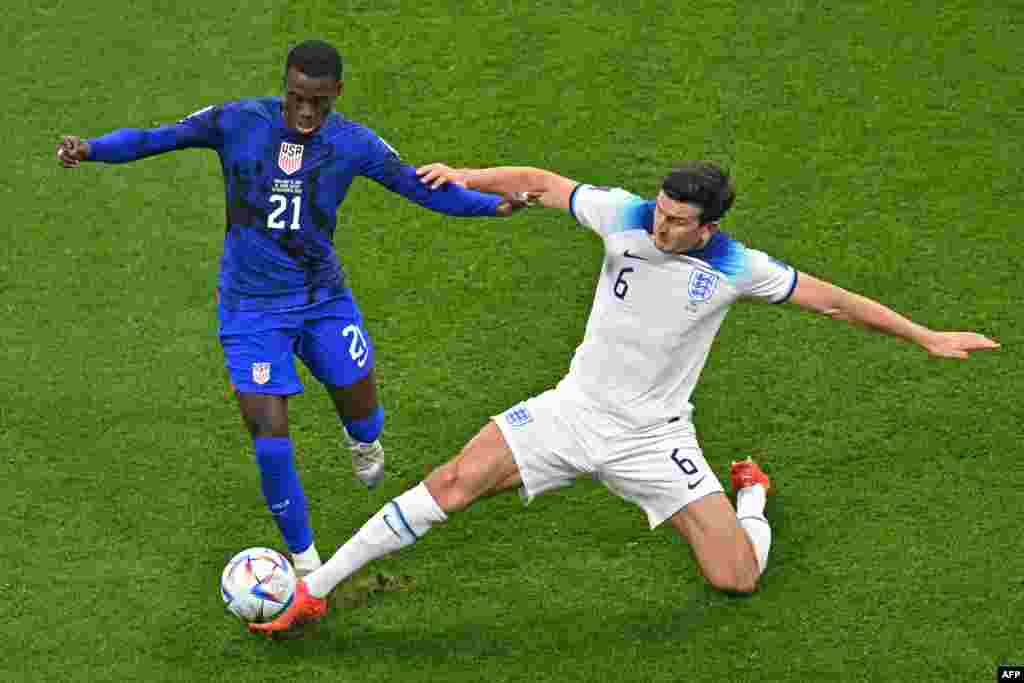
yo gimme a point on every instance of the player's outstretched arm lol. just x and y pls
(201, 130)
(825, 298)
(531, 185)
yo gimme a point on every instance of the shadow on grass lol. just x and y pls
(514, 634)
(520, 632)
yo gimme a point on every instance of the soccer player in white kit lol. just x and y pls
(622, 414)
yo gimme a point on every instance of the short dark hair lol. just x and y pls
(316, 59)
(703, 183)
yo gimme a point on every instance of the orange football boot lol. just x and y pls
(747, 473)
(305, 608)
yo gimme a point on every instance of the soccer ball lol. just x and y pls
(257, 584)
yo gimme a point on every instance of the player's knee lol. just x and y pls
(367, 429)
(443, 484)
(735, 581)
(261, 425)
(742, 585)
(448, 488)
(264, 416)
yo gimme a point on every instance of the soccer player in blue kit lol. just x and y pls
(288, 164)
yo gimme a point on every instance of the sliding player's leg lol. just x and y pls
(731, 544)
(485, 466)
(663, 470)
(529, 446)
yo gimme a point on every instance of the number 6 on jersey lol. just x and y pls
(621, 286)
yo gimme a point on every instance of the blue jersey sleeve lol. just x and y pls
(384, 166)
(201, 129)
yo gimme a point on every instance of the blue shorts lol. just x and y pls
(329, 337)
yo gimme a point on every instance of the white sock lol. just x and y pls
(398, 524)
(307, 560)
(750, 514)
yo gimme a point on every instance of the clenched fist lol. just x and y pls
(72, 151)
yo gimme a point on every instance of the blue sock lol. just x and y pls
(283, 491)
(367, 429)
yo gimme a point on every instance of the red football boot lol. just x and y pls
(305, 608)
(747, 473)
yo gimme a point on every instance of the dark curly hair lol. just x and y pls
(703, 183)
(316, 59)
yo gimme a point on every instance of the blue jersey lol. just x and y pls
(282, 191)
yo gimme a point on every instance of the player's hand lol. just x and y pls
(517, 202)
(73, 151)
(957, 344)
(438, 175)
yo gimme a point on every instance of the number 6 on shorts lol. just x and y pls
(685, 464)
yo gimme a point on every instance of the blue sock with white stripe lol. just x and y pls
(398, 524)
(283, 491)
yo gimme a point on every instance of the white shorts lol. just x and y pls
(555, 440)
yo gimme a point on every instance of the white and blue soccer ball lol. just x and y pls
(257, 584)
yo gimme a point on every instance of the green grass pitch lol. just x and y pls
(877, 144)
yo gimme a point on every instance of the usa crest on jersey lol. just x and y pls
(702, 285)
(290, 158)
(261, 373)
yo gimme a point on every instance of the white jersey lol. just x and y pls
(655, 315)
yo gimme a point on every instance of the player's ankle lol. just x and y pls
(306, 561)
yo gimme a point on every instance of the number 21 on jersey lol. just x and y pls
(278, 219)
(358, 348)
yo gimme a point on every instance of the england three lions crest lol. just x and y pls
(518, 415)
(290, 158)
(703, 286)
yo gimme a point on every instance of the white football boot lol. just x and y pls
(367, 461)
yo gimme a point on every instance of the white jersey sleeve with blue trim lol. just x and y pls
(606, 210)
(766, 278)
